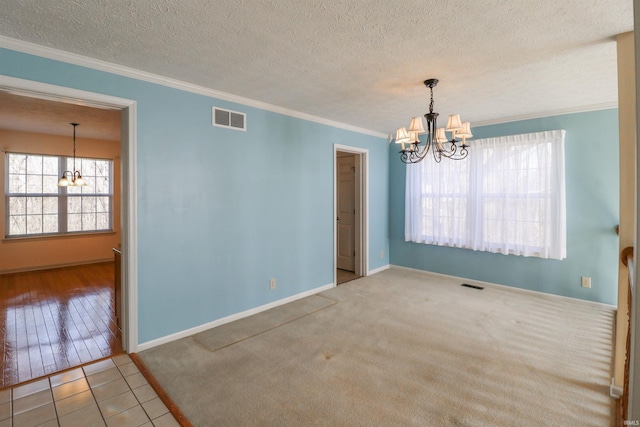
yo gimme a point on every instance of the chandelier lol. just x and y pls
(75, 177)
(414, 151)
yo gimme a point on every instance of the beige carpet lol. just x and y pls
(399, 348)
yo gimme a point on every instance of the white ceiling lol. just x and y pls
(362, 62)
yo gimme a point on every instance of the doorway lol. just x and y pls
(350, 206)
(127, 108)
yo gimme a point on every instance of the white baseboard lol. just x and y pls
(52, 266)
(378, 270)
(511, 288)
(237, 316)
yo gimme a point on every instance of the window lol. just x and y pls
(507, 197)
(37, 206)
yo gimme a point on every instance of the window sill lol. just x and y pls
(8, 239)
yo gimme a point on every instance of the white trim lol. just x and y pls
(633, 412)
(363, 155)
(96, 64)
(505, 287)
(130, 226)
(237, 316)
(378, 270)
(129, 149)
(52, 266)
(572, 110)
(60, 93)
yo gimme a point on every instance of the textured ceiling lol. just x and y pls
(361, 63)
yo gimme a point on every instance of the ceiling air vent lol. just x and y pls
(229, 119)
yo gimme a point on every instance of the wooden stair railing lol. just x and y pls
(626, 256)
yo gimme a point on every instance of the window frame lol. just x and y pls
(63, 196)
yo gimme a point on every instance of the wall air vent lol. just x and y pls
(229, 119)
(466, 285)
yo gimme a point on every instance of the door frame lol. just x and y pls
(362, 209)
(128, 150)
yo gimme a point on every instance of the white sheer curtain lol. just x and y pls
(507, 197)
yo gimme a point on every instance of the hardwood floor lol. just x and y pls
(344, 276)
(51, 320)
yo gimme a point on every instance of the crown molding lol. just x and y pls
(572, 110)
(96, 64)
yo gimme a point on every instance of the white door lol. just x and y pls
(346, 221)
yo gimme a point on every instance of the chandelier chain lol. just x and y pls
(431, 103)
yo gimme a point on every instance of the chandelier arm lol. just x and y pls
(414, 156)
(422, 153)
(404, 156)
(453, 153)
(437, 154)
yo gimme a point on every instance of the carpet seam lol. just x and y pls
(333, 302)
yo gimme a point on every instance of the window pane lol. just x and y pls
(17, 205)
(88, 204)
(88, 221)
(102, 221)
(34, 184)
(50, 166)
(17, 184)
(50, 184)
(102, 185)
(34, 205)
(74, 222)
(103, 204)
(88, 167)
(70, 166)
(74, 205)
(17, 163)
(90, 188)
(50, 224)
(50, 205)
(34, 224)
(34, 165)
(74, 190)
(17, 225)
(102, 168)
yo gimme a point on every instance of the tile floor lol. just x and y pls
(111, 392)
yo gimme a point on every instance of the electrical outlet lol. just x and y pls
(586, 282)
(381, 254)
(272, 284)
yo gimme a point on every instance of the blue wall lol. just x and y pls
(592, 186)
(220, 211)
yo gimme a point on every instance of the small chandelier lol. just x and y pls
(75, 177)
(413, 151)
